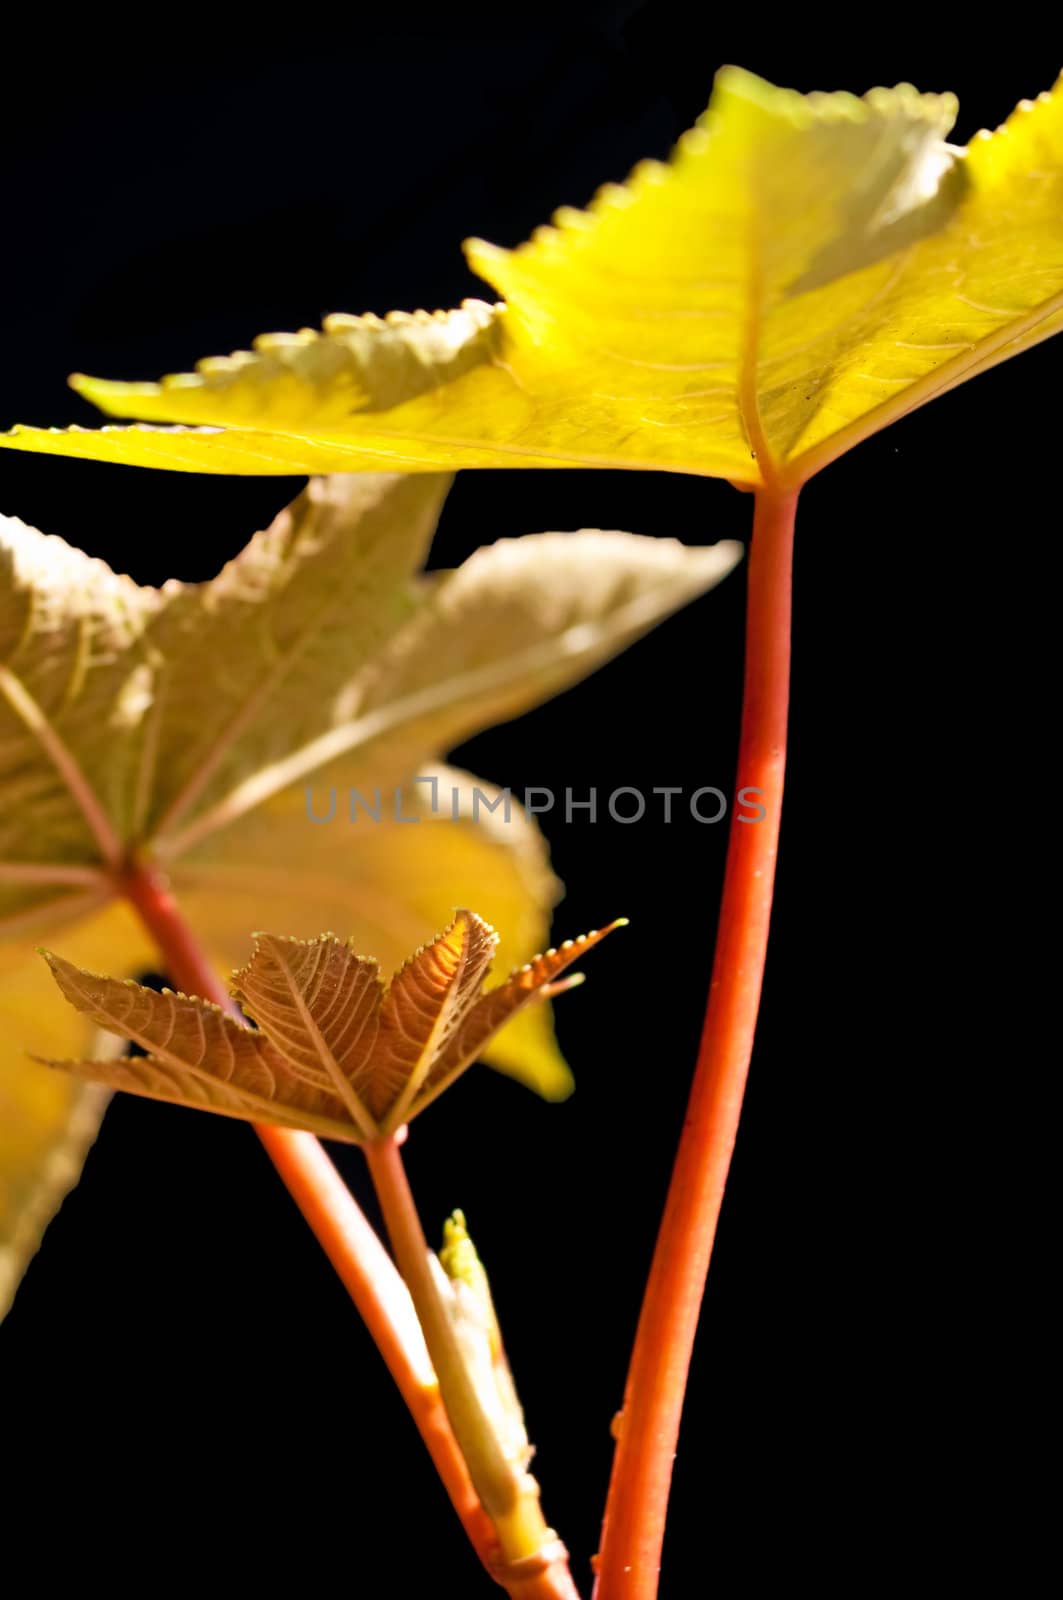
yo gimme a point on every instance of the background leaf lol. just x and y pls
(47, 1120)
(187, 722)
(523, 619)
(73, 678)
(516, 623)
(287, 625)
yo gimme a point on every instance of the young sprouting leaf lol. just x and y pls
(335, 1051)
(427, 1001)
(537, 977)
(196, 1054)
(320, 638)
(319, 1004)
(467, 1295)
(803, 271)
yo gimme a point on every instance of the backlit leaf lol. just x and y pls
(334, 1050)
(476, 1025)
(48, 1121)
(319, 1004)
(517, 622)
(427, 1003)
(196, 1055)
(73, 665)
(287, 627)
(320, 639)
(803, 271)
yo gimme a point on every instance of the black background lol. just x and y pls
(187, 1393)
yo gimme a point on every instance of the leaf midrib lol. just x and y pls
(965, 364)
(359, 1112)
(62, 759)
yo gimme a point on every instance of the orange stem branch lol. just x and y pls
(342, 1230)
(633, 1531)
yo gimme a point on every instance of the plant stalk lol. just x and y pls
(337, 1221)
(532, 1563)
(648, 1430)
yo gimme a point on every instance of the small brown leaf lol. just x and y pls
(320, 1005)
(536, 980)
(427, 1002)
(196, 1055)
(333, 1051)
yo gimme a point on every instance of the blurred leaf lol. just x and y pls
(184, 724)
(803, 271)
(48, 1121)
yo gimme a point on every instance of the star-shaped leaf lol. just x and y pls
(187, 724)
(803, 271)
(335, 1051)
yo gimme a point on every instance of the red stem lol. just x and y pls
(633, 1531)
(334, 1215)
(369, 1276)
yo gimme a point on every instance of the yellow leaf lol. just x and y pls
(48, 1122)
(72, 661)
(427, 1003)
(331, 660)
(289, 627)
(334, 1051)
(803, 271)
(520, 620)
